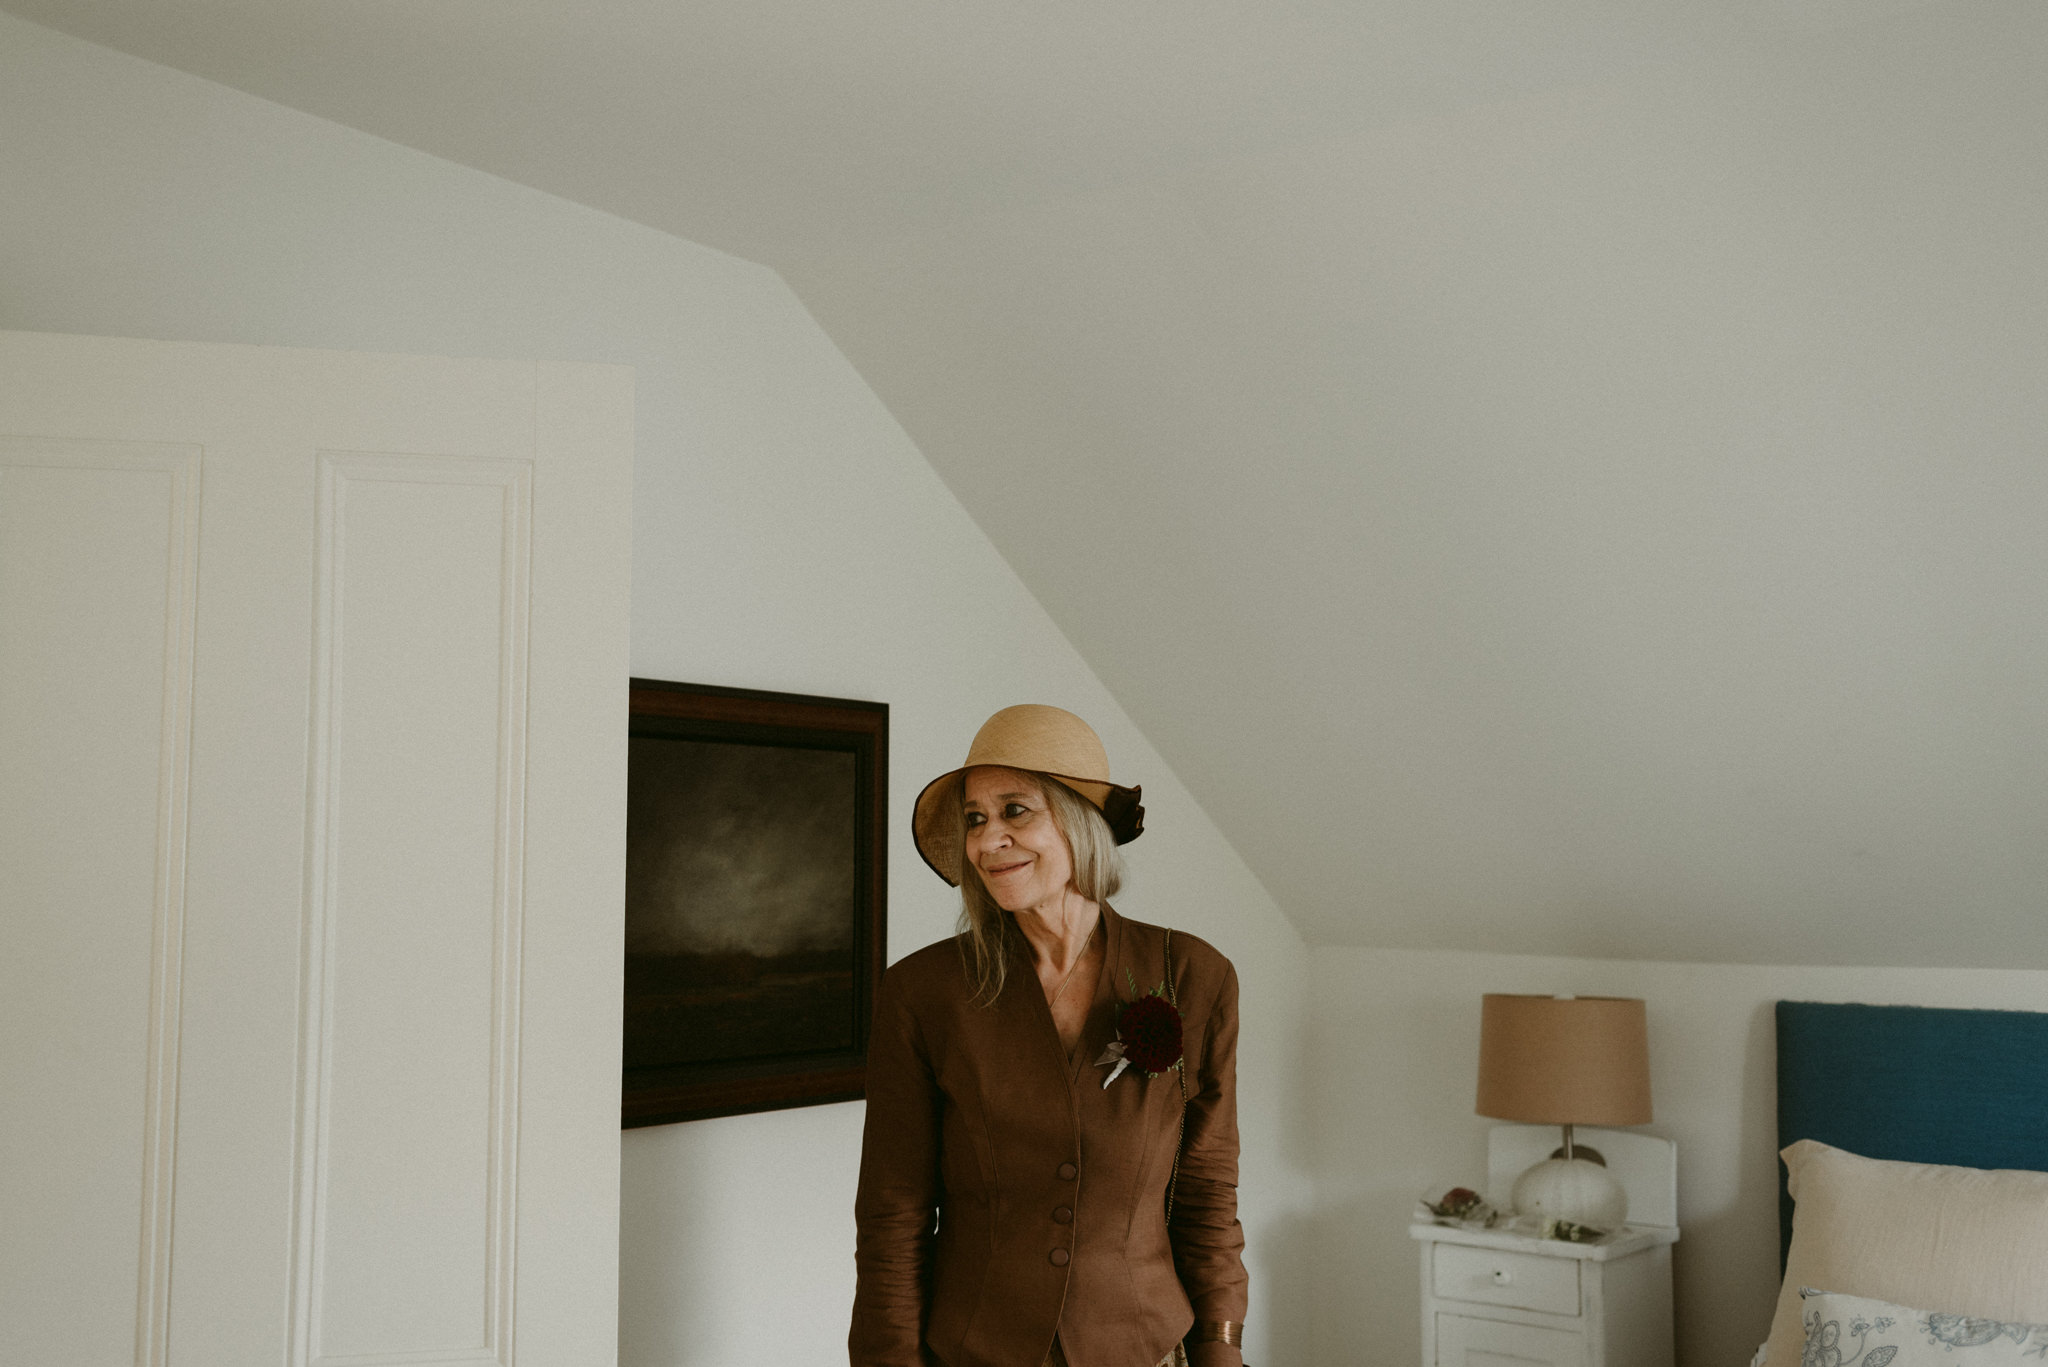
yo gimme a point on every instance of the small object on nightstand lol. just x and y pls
(1458, 1203)
(1508, 1294)
(1571, 1233)
(1464, 1206)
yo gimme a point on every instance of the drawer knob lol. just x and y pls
(1503, 1277)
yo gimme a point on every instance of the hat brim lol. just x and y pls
(935, 821)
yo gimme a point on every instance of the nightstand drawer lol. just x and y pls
(1526, 1281)
(1462, 1342)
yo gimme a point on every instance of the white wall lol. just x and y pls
(1395, 1054)
(787, 535)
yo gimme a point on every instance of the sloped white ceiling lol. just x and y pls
(1567, 479)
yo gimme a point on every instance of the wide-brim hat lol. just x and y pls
(1038, 739)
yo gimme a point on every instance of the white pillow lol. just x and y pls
(1873, 1333)
(1974, 1242)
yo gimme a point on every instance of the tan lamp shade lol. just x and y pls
(1564, 1060)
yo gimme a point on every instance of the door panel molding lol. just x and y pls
(463, 525)
(179, 466)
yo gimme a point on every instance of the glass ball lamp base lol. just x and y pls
(1574, 1189)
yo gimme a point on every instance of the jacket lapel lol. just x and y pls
(1100, 1027)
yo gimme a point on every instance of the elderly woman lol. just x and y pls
(1049, 1173)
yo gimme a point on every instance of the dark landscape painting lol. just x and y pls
(753, 892)
(740, 901)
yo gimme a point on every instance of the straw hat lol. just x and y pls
(1041, 740)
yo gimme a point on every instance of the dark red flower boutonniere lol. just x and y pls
(1148, 1036)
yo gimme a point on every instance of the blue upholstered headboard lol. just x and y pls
(1915, 1083)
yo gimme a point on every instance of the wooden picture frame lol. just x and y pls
(756, 882)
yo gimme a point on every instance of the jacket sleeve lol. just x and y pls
(896, 1206)
(1208, 1243)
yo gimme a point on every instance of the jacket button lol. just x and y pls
(1059, 1257)
(1064, 1215)
(1068, 1172)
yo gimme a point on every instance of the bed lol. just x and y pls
(1963, 1094)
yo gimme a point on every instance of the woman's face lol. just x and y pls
(1012, 840)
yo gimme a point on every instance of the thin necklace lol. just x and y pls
(1073, 968)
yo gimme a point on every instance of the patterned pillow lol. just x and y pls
(1854, 1331)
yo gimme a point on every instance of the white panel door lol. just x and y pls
(312, 774)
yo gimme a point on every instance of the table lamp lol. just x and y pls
(1566, 1061)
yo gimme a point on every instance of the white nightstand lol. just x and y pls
(1491, 1298)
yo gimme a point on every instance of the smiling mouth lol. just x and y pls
(1001, 869)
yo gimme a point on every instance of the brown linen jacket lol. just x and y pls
(1006, 1195)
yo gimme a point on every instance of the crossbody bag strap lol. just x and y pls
(1181, 1069)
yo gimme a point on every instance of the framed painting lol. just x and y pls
(755, 882)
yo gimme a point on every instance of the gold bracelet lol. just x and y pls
(1228, 1332)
